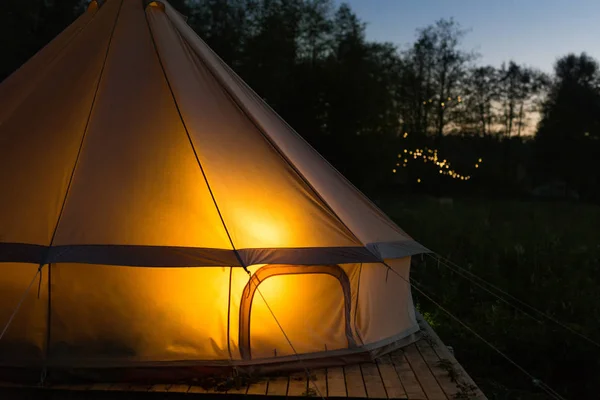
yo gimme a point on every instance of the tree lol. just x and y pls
(30, 25)
(518, 88)
(416, 85)
(450, 68)
(569, 132)
(478, 114)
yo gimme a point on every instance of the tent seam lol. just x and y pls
(237, 255)
(313, 150)
(267, 138)
(85, 130)
(48, 318)
(236, 77)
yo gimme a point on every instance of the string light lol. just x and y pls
(426, 155)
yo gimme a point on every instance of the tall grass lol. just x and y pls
(545, 254)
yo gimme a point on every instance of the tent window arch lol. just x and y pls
(269, 271)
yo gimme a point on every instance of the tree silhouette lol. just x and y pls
(569, 132)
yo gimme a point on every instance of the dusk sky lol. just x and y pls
(532, 32)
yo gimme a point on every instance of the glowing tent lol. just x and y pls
(142, 180)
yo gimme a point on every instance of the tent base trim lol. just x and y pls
(178, 371)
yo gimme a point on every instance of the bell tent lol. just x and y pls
(156, 213)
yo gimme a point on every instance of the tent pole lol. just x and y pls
(48, 320)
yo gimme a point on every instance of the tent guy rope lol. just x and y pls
(470, 276)
(16, 310)
(537, 382)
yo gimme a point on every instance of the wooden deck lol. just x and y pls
(425, 370)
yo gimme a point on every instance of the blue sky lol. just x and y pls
(532, 32)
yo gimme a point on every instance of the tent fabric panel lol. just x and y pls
(39, 153)
(137, 181)
(239, 280)
(22, 82)
(263, 201)
(363, 218)
(118, 315)
(385, 307)
(310, 309)
(24, 342)
(352, 271)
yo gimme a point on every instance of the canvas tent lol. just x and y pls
(142, 181)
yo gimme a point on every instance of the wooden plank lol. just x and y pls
(373, 381)
(428, 382)
(354, 381)
(77, 387)
(336, 383)
(298, 384)
(179, 388)
(12, 385)
(120, 387)
(258, 388)
(278, 386)
(443, 376)
(138, 387)
(318, 383)
(101, 386)
(159, 387)
(391, 381)
(407, 377)
(444, 354)
(196, 389)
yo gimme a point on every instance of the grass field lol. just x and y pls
(545, 254)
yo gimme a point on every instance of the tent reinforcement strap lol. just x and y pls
(235, 252)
